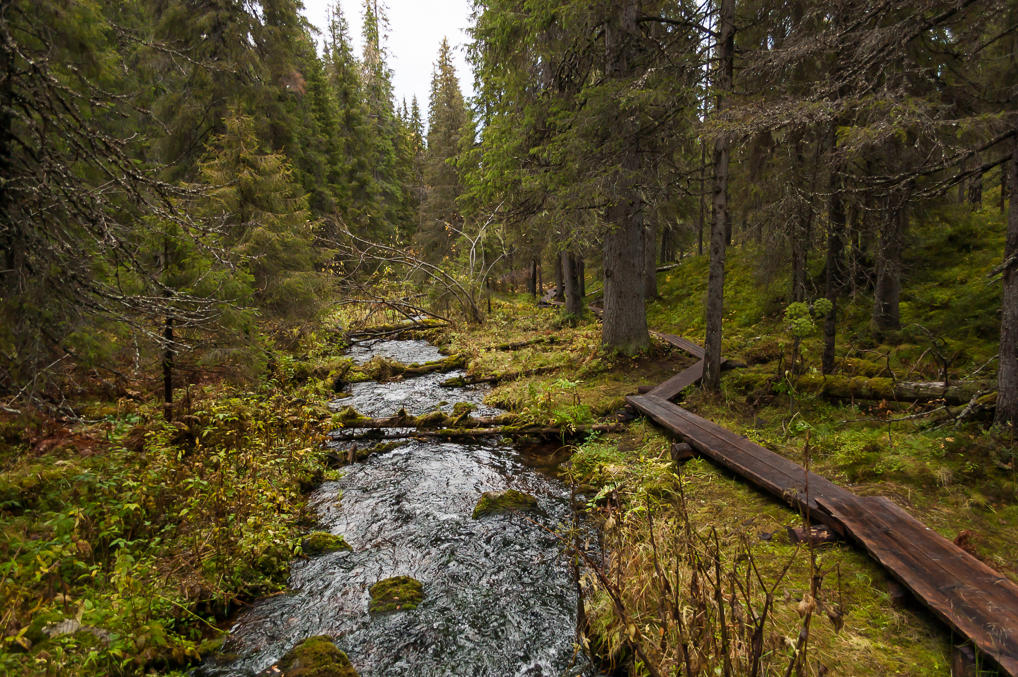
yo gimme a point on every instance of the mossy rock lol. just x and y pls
(454, 382)
(321, 542)
(510, 500)
(400, 593)
(316, 657)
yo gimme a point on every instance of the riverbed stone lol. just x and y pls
(399, 593)
(316, 657)
(319, 542)
(510, 500)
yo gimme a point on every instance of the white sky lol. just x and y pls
(416, 29)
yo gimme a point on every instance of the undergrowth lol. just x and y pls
(126, 539)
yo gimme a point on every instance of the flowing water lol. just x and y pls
(500, 598)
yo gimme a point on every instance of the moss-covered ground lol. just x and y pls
(959, 478)
(125, 539)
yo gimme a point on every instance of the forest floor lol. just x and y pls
(125, 540)
(960, 479)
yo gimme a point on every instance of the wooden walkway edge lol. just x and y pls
(976, 601)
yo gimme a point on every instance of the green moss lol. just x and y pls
(462, 408)
(316, 657)
(348, 415)
(320, 542)
(432, 419)
(510, 500)
(399, 593)
(454, 382)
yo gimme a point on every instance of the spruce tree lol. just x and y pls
(440, 217)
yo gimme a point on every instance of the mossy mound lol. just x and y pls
(321, 542)
(400, 593)
(510, 500)
(316, 657)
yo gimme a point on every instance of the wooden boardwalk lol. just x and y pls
(976, 601)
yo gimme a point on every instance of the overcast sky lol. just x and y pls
(416, 28)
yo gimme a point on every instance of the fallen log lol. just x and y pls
(478, 433)
(516, 345)
(351, 419)
(862, 388)
(382, 330)
(474, 379)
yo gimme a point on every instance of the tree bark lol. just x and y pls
(624, 325)
(532, 282)
(975, 186)
(581, 276)
(702, 211)
(719, 226)
(574, 302)
(887, 290)
(650, 259)
(560, 289)
(168, 357)
(834, 278)
(1007, 375)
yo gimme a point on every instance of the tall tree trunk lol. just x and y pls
(560, 289)
(581, 276)
(799, 235)
(719, 225)
(887, 291)
(540, 282)
(1007, 376)
(532, 281)
(168, 357)
(834, 278)
(975, 186)
(574, 302)
(1005, 181)
(701, 198)
(625, 315)
(650, 259)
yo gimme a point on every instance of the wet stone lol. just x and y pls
(497, 502)
(316, 657)
(399, 593)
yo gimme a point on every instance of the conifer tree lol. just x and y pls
(358, 198)
(383, 123)
(440, 217)
(265, 217)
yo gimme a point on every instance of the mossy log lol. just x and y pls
(479, 433)
(433, 419)
(516, 345)
(380, 330)
(473, 379)
(862, 388)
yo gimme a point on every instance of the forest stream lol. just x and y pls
(499, 594)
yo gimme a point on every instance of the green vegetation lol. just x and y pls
(126, 538)
(399, 593)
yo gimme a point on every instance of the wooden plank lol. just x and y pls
(680, 343)
(676, 384)
(969, 596)
(779, 476)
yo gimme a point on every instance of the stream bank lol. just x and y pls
(499, 595)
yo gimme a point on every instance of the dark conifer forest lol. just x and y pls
(708, 309)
